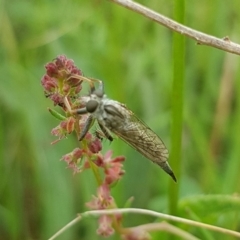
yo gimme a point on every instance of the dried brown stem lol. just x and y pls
(201, 38)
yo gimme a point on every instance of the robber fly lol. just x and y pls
(115, 117)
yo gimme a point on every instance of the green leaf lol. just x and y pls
(206, 205)
(57, 114)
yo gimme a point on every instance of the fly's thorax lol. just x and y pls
(111, 114)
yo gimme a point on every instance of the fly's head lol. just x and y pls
(96, 98)
(109, 113)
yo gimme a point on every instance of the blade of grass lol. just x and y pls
(177, 106)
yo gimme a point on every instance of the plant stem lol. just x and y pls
(96, 213)
(201, 38)
(177, 106)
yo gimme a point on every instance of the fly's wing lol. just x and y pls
(138, 135)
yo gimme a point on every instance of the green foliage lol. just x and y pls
(177, 104)
(207, 205)
(133, 56)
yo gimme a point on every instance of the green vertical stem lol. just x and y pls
(177, 106)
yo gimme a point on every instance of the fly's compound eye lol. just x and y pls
(91, 106)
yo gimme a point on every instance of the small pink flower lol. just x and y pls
(65, 127)
(49, 83)
(95, 145)
(105, 228)
(52, 70)
(73, 159)
(108, 160)
(108, 157)
(94, 204)
(57, 131)
(118, 159)
(68, 125)
(56, 98)
(103, 199)
(99, 161)
(104, 195)
(136, 234)
(73, 156)
(112, 168)
(114, 173)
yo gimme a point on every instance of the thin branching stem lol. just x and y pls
(201, 38)
(97, 213)
(167, 227)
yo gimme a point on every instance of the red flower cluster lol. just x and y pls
(61, 79)
(104, 200)
(113, 172)
(112, 167)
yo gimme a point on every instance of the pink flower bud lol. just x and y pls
(105, 226)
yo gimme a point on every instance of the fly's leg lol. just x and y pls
(100, 91)
(80, 111)
(99, 134)
(91, 81)
(86, 127)
(105, 132)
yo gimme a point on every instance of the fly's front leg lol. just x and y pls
(86, 127)
(91, 81)
(80, 111)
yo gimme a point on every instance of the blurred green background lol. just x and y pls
(133, 56)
